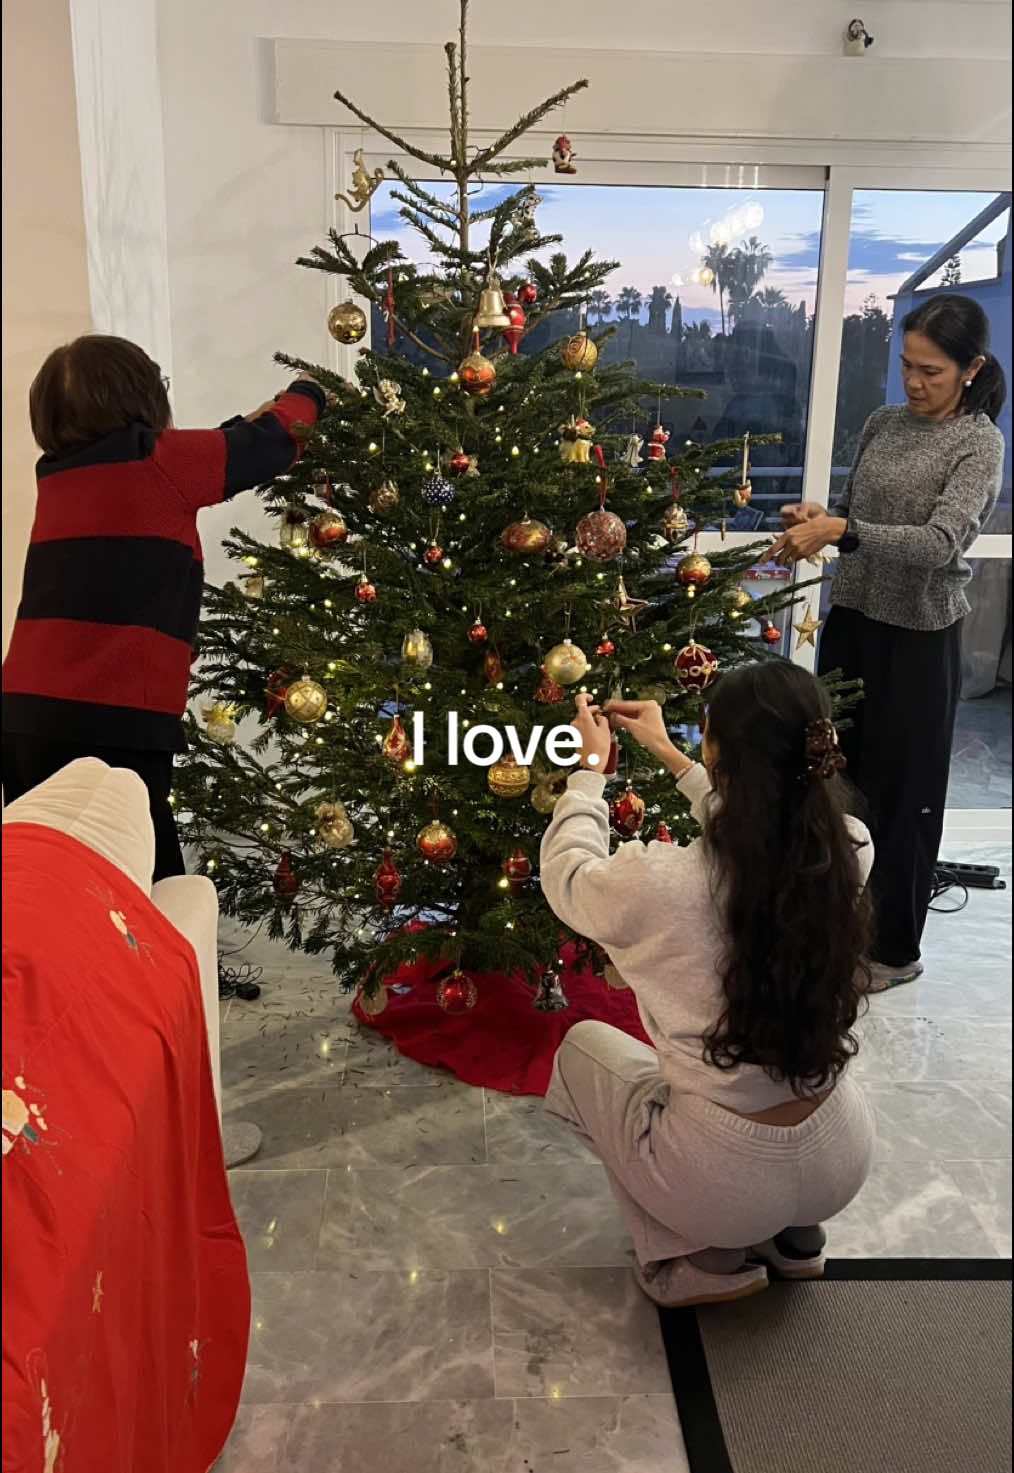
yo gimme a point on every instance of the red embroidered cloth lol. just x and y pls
(501, 1043)
(126, 1303)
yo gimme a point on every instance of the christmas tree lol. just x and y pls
(470, 537)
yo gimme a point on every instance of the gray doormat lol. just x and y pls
(882, 1366)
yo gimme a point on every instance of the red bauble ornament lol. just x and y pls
(387, 880)
(601, 536)
(696, 666)
(477, 375)
(662, 834)
(626, 813)
(365, 591)
(548, 692)
(516, 313)
(396, 746)
(770, 634)
(478, 634)
(457, 993)
(437, 843)
(433, 555)
(328, 529)
(459, 462)
(492, 667)
(517, 868)
(285, 883)
(528, 293)
(605, 647)
(276, 692)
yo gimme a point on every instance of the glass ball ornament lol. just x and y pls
(457, 993)
(528, 293)
(433, 555)
(737, 601)
(436, 491)
(547, 789)
(695, 666)
(293, 534)
(417, 650)
(601, 536)
(384, 499)
(675, 523)
(694, 572)
(347, 323)
(508, 778)
(366, 593)
(566, 663)
(306, 701)
(626, 813)
(517, 870)
(220, 722)
(437, 842)
(478, 633)
(327, 530)
(526, 536)
(771, 634)
(477, 375)
(334, 827)
(579, 353)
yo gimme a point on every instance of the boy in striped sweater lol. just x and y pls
(99, 660)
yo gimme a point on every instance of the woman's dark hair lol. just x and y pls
(91, 387)
(960, 328)
(785, 871)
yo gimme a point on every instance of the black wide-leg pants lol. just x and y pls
(899, 755)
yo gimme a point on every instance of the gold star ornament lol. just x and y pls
(806, 629)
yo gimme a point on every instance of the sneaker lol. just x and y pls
(884, 977)
(786, 1264)
(677, 1284)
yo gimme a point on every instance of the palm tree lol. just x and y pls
(748, 266)
(771, 296)
(601, 303)
(717, 262)
(658, 304)
(628, 303)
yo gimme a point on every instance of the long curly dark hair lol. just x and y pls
(786, 875)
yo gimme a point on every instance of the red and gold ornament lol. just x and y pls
(285, 883)
(437, 842)
(492, 667)
(457, 993)
(276, 692)
(366, 593)
(396, 746)
(328, 530)
(662, 834)
(770, 634)
(387, 881)
(656, 445)
(477, 374)
(605, 647)
(626, 813)
(526, 536)
(516, 313)
(459, 462)
(694, 572)
(528, 293)
(695, 666)
(434, 554)
(517, 869)
(478, 633)
(548, 692)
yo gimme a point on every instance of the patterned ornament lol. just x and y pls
(292, 533)
(478, 634)
(492, 667)
(626, 813)
(548, 692)
(736, 601)
(508, 778)
(675, 522)
(396, 745)
(347, 323)
(387, 881)
(365, 591)
(457, 993)
(656, 445)
(517, 869)
(437, 843)
(327, 530)
(695, 666)
(388, 395)
(770, 634)
(220, 723)
(605, 647)
(549, 995)
(416, 649)
(459, 463)
(306, 701)
(384, 499)
(601, 536)
(434, 554)
(566, 663)
(693, 572)
(285, 882)
(579, 353)
(477, 375)
(662, 834)
(334, 826)
(436, 491)
(528, 293)
(526, 536)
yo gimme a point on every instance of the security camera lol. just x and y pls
(857, 39)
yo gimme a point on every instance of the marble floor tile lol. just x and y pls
(575, 1332)
(352, 1126)
(934, 1121)
(909, 1210)
(472, 1217)
(279, 1214)
(358, 1337)
(631, 1434)
(900, 1050)
(986, 1187)
(993, 1096)
(518, 1130)
(257, 1441)
(274, 1051)
(372, 1059)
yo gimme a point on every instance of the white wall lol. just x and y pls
(245, 195)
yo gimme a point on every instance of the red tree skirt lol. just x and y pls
(501, 1043)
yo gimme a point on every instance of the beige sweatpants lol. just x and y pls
(689, 1175)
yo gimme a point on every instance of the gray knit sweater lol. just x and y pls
(917, 497)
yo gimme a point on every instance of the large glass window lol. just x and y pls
(716, 290)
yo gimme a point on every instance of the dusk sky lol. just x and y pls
(649, 230)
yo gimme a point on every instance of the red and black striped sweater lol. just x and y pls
(111, 597)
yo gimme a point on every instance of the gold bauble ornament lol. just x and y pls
(327, 530)
(221, 723)
(736, 601)
(334, 827)
(477, 374)
(437, 843)
(417, 650)
(306, 701)
(384, 499)
(566, 663)
(508, 778)
(579, 353)
(347, 323)
(693, 572)
(527, 536)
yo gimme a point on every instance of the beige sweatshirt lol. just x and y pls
(651, 907)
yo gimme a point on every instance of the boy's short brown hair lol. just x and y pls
(91, 387)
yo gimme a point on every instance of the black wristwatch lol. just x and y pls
(849, 541)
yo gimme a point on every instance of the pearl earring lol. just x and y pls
(968, 383)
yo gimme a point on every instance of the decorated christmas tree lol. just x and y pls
(471, 536)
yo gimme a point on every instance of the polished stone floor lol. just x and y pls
(441, 1279)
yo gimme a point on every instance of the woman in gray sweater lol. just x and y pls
(741, 1129)
(925, 479)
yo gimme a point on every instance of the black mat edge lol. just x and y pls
(690, 1376)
